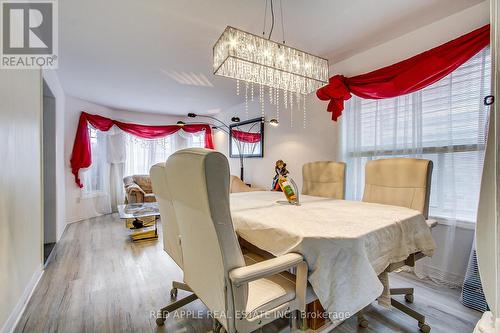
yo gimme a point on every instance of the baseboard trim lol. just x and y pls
(18, 310)
(439, 276)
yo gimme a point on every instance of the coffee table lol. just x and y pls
(141, 217)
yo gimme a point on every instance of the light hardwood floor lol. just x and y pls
(99, 281)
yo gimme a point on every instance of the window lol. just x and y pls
(194, 140)
(142, 154)
(94, 177)
(445, 122)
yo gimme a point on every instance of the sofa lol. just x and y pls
(138, 189)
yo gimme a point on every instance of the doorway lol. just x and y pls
(49, 172)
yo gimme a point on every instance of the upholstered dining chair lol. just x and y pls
(237, 186)
(324, 179)
(171, 237)
(246, 296)
(404, 182)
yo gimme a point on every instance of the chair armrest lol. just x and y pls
(134, 193)
(264, 268)
(431, 223)
(134, 188)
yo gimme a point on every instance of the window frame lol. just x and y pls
(367, 121)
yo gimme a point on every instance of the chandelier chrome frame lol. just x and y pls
(241, 55)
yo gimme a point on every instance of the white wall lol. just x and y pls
(21, 191)
(78, 207)
(295, 145)
(145, 118)
(52, 81)
(415, 42)
(399, 49)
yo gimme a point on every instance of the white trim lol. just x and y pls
(449, 279)
(17, 312)
(469, 225)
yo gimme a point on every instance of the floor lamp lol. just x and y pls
(225, 127)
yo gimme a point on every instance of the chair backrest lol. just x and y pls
(198, 182)
(324, 179)
(170, 229)
(402, 182)
(236, 185)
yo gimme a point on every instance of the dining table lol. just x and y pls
(347, 244)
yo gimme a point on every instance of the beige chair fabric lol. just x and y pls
(324, 179)
(237, 185)
(138, 189)
(213, 264)
(399, 182)
(170, 227)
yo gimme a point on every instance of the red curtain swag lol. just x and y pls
(81, 156)
(407, 76)
(247, 137)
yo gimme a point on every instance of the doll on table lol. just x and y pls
(281, 170)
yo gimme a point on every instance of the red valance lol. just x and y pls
(406, 76)
(247, 137)
(81, 156)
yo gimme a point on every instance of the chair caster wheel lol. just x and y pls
(218, 328)
(409, 298)
(363, 323)
(424, 328)
(160, 321)
(173, 294)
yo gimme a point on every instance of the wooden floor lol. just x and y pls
(98, 281)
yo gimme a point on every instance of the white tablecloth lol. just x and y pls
(346, 244)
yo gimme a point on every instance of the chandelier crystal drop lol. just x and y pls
(244, 56)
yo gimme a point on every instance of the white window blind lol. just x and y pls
(445, 122)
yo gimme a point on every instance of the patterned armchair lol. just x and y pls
(138, 189)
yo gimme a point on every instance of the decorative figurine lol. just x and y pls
(280, 169)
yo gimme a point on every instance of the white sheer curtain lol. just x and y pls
(116, 154)
(141, 154)
(116, 158)
(95, 179)
(445, 122)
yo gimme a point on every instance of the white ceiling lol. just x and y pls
(155, 55)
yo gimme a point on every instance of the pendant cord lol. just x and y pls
(265, 20)
(282, 25)
(272, 20)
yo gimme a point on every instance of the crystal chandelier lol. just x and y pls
(290, 74)
(247, 57)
